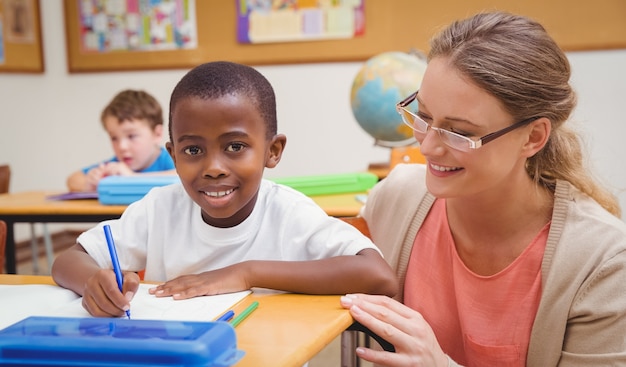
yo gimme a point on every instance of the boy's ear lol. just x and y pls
(158, 131)
(170, 149)
(275, 151)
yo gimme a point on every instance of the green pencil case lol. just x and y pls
(330, 184)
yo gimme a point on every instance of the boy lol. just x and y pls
(224, 228)
(134, 122)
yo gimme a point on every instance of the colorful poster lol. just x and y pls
(137, 25)
(264, 21)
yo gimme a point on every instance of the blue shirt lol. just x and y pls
(163, 163)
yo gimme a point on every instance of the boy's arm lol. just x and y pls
(77, 182)
(366, 272)
(73, 267)
(86, 182)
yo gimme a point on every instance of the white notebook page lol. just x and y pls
(20, 301)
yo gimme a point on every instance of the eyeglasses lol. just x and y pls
(451, 139)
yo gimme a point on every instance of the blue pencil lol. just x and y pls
(114, 260)
(226, 316)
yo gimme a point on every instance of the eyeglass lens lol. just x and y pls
(421, 128)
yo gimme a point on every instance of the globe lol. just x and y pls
(383, 81)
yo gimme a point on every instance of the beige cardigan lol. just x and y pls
(581, 320)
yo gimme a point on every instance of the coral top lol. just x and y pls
(478, 320)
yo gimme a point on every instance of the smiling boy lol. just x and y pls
(224, 228)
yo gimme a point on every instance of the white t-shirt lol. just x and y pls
(164, 234)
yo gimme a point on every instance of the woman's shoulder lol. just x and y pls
(402, 191)
(585, 226)
(579, 209)
(404, 171)
(402, 181)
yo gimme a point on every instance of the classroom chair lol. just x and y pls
(351, 338)
(5, 180)
(3, 243)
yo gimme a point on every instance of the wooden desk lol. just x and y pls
(286, 330)
(33, 207)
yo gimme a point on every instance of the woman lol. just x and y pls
(508, 252)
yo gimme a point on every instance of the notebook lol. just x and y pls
(21, 301)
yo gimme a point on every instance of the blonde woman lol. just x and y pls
(508, 252)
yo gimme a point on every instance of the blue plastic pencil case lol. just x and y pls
(60, 341)
(330, 184)
(124, 190)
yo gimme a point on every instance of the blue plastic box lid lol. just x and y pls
(61, 341)
(124, 190)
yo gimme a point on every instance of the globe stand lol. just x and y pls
(406, 151)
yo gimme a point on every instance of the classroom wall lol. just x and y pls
(50, 122)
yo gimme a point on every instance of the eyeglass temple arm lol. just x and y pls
(405, 102)
(489, 137)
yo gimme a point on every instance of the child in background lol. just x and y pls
(134, 122)
(223, 228)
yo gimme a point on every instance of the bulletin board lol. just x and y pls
(20, 37)
(398, 25)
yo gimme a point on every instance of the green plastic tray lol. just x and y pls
(330, 184)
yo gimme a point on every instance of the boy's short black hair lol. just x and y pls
(214, 80)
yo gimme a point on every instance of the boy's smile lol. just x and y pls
(218, 197)
(220, 148)
(219, 194)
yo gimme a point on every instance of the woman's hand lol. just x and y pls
(413, 339)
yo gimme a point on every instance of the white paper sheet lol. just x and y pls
(20, 301)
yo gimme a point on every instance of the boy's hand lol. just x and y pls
(118, 169)
(94, 176)
(102, 297)
(226, 280)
